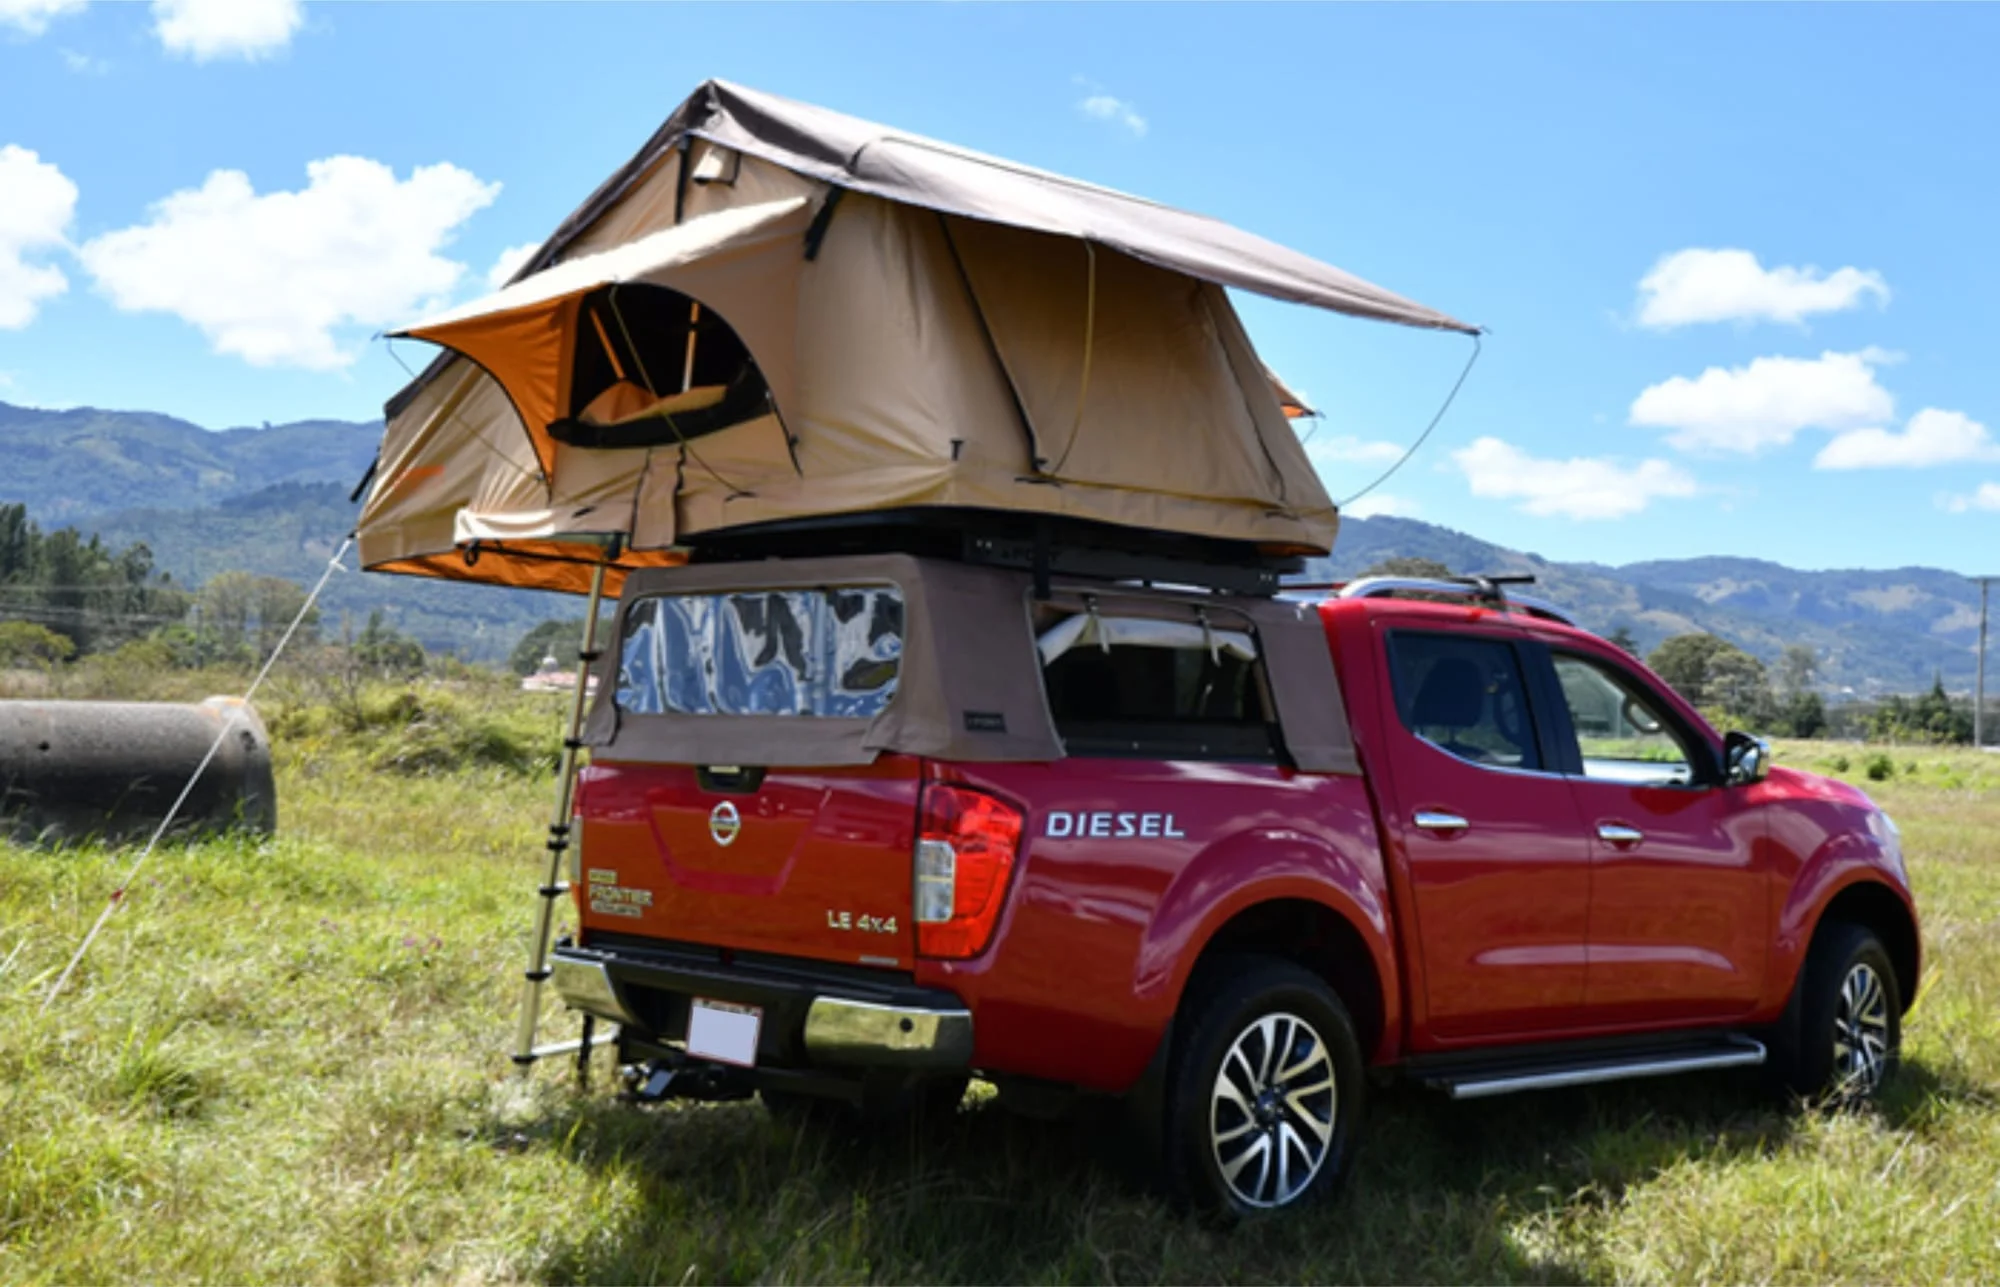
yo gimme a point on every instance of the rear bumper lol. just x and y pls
(813, 1016)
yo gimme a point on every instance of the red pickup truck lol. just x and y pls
(866, 827)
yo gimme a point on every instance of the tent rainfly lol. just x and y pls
(777, 313)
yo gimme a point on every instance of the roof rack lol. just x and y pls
(1046, 545)
(1490, 591)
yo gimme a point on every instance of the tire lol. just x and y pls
(1240, 1122)
(1847, 1041)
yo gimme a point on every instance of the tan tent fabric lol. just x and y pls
(862, 156)
(914, 359)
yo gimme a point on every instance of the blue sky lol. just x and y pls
(1733, 260)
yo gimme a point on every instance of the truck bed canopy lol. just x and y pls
(775, 313)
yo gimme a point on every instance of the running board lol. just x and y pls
(1478, 1083)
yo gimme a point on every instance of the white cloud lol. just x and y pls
(1697, 285)
(1932, 437)
(1986, 498)
(84, 64)
(207, 29)
(1103, 107)
(1580, 487)
(32, 17)
(509, 262)
(270, 278)
(1766, 403)
(39, 203)
(1376, 504)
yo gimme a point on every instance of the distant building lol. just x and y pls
(550, 677)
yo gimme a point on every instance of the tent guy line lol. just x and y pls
(117, 896)
(1443, 407)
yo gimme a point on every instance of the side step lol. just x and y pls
(1495, 1077)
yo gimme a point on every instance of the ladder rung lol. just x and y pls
(568, 1047)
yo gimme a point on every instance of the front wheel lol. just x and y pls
(1265, 1091)
(1849, 1035)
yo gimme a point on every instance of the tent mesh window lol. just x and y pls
(831, 653)
(1149, 701)
(652, 367)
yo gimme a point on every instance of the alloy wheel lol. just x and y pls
(1272, 1110)
(1861, 1032)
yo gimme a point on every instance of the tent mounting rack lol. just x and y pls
(1046, 546)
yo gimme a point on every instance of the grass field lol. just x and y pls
(284, 1062)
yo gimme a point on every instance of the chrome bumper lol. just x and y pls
(587, 986)
(802, 1025)
(842, 1031)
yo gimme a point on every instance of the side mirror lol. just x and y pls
(1748, 759)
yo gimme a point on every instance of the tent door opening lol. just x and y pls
(650, 367)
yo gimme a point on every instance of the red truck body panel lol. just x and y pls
(1105, 921)
(1523, 926)
(818, 867)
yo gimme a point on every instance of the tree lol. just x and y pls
(1736, 682)
(1804, 715)
(1683, 661)
(1932, 717)
(1409, 565)
(241, 616)
(78, 586)
(1716, 674)
(561, 639)
(1798, 666)
(387, 651)
(1622, 638)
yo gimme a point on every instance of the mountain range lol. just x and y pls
(275, 500)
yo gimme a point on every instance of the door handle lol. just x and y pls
(1617, 833)
(1431, 820)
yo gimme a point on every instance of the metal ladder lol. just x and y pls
(526, 1053)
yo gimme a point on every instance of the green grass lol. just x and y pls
(286, 1062)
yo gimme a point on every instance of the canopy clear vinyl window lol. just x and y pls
(833, 652)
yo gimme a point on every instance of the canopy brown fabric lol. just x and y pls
(777, 313)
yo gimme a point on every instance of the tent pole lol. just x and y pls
(559, 841)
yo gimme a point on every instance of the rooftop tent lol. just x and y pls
(776, 314)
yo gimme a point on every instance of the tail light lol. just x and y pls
(965, 854)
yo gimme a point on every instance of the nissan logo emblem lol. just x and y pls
(724, 822)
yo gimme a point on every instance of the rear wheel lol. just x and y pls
(1849, 1034)
(1264, 1092)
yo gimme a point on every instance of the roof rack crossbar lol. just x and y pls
(1489, 590)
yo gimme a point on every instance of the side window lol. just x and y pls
(1465, 695)
(1621, 731)
(1132, 687)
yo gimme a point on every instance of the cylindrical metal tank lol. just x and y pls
(71, 770)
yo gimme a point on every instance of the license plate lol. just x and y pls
(724, 1031)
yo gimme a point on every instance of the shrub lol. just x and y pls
(24, 643)
(1881, 768)
(1840, 764)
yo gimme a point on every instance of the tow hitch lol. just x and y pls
(661, 1079)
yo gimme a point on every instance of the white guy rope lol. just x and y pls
(228, 725)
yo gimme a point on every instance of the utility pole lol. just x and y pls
(1979, 684)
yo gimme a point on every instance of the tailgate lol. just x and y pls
(800, 862)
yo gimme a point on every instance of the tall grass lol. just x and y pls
(285, 1062)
